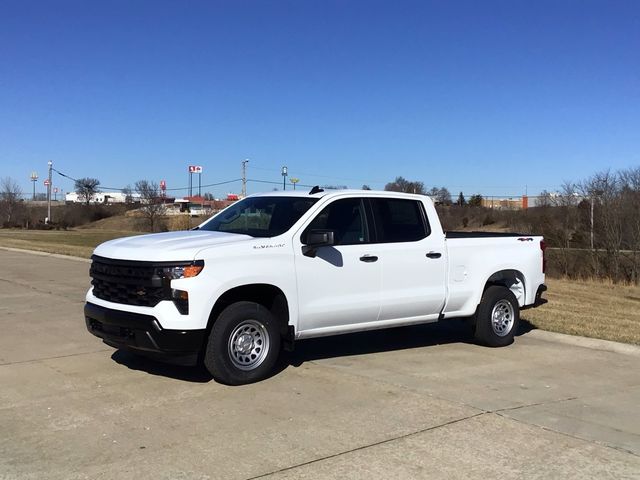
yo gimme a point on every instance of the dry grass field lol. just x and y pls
(593, 308)
(589, 308)
(79, 243)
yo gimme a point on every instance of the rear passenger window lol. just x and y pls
(399, 220)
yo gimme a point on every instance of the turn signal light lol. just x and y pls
(181, 300)
(192, 270)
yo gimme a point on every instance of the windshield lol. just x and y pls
(260, 216)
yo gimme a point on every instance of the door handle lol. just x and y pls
(434, 255)
(368, 258)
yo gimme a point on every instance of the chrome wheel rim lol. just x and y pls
(248, 345)
(502, 317)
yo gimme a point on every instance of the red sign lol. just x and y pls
(163, 185)
(47, 182)
(195, 169)
(55, 190)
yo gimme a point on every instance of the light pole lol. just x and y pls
(50, 163)
(284, 178)
(34, 179)
(244, 177)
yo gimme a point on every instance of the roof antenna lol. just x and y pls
(316, 189)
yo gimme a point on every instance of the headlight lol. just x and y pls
(183, 271)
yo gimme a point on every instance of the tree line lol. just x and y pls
(592, 225)
(441, 195)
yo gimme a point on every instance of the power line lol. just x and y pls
(319, 176)
(278, 183)
(269, 182)
(168, 189)
(64, 175)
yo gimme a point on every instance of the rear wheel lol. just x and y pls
(497, 317)
(244, 344)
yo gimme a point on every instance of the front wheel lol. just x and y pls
(244, 344)
(497, 317)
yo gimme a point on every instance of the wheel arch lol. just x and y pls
(267, 295)
(512, 279)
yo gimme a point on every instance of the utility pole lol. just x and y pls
(50, 163)
(244, 177)
(592, 221)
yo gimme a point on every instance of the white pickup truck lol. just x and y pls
(277, 267)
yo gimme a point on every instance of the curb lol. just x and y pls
(585, 342)
(46, 254)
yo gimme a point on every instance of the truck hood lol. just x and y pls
(164, 247)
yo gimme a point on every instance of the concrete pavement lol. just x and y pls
(418, 402)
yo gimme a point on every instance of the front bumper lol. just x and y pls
(143, 334)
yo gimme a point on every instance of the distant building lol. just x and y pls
(197, 205)
(103, 197)
(510, 203)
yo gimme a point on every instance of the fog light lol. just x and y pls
(181, 300)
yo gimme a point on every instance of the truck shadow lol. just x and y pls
(378, 341)
(352, 344)
(393, 339)
(194, 374)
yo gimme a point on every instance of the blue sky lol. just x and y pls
(492, 97)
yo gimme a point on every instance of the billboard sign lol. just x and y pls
(195, 169)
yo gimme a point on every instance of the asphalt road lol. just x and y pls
(419, 402)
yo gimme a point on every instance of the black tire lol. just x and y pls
(256, 348)
(499, 301)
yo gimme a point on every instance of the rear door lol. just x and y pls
(341, 285)
(413, 260)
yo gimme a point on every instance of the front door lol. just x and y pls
(341, 285)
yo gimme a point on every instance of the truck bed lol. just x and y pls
(454, 234)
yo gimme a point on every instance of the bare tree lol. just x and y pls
(440, 195)
(544, 199)
(400, 184)
(603, 189)
(630, 191)
(568, 221)
(10, 193)
(128, 197)
(152, 207)
(86, 188)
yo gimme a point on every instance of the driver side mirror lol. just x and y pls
(316, 239)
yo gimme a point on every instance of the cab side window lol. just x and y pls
(346, 218)
(399, 220)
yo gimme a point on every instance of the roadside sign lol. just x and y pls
(195, 169)
(47, 182)
(55, 190)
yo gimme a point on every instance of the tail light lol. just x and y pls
(543, 247)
